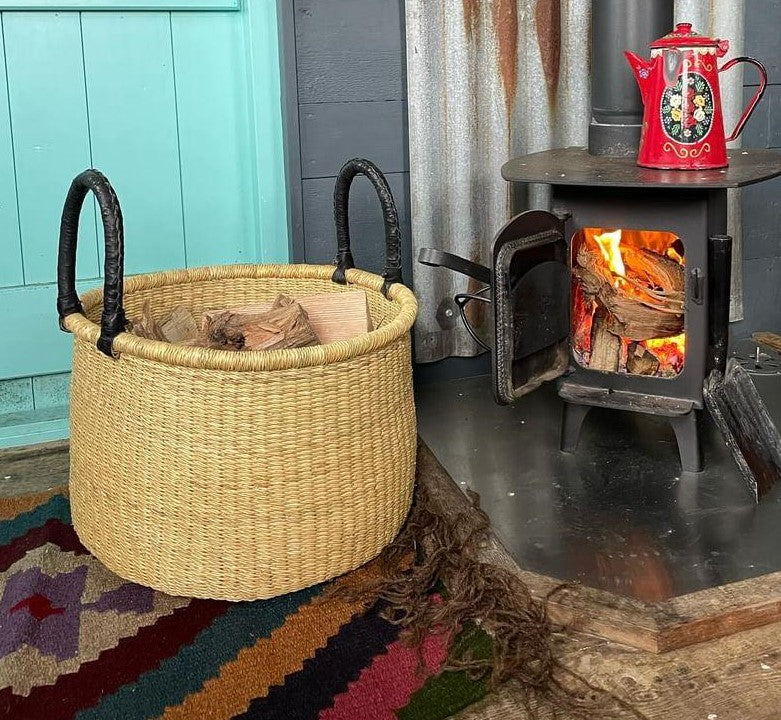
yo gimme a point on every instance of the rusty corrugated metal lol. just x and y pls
(489, 80)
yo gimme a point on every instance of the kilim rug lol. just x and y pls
(77, 641)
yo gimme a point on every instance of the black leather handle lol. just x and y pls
(344, 257)
(112, 321)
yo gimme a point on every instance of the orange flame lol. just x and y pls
(610, 246)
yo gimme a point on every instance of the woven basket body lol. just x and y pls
(241, 475)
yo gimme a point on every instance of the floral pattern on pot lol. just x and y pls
(687, 109)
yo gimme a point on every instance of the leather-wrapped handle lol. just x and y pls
(113, 320)
(390, 216)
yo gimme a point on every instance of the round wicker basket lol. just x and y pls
(236, 475)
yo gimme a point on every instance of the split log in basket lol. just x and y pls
(287, 323)
(332, 316)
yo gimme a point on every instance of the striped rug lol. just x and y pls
(77, 641)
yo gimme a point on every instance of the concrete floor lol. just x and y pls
(619, 514)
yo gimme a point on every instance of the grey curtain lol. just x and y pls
(489, 80)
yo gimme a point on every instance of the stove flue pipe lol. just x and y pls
(616, 107)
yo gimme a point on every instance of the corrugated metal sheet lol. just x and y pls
(726, 19)
(489, 80)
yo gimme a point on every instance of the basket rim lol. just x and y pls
(213, 359)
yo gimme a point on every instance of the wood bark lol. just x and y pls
(641, 361)
(332, 316)
(284, 325)
(639, 306)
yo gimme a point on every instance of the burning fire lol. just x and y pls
(669, 351)
(610, 245)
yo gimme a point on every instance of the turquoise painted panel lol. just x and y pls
(214, 137)
(11, 272)
(16, 395)
(37, 426)
(132, 114)
(51, 390)
(28, 316)
(269, 188)
(51, 138)
(117, 5)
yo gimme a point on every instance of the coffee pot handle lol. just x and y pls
(757, 95)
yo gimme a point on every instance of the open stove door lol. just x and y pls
(531, 304)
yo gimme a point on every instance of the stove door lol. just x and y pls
(532, 304)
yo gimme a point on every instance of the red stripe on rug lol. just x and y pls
(115, 667)
(390, 681)
(52, 531)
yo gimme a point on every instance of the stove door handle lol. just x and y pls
(440, 258)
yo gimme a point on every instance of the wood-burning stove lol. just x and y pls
(690, 208)
(535, 283)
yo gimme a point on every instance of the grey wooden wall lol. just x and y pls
(345, 83)
(762, 203)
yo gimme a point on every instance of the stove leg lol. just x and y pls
(571, 422)
(686, 429)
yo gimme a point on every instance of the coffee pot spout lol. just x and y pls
(642, 71)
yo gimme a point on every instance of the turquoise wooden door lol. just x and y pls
(178, 103)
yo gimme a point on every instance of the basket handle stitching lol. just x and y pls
(113, 320)
(344, 256)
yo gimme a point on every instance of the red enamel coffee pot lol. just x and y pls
(683, 124)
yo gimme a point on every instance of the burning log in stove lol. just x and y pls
(632, 294)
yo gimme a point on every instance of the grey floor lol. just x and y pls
(618, 514)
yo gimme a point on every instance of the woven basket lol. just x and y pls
(236, 475)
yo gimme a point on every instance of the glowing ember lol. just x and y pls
(610, 245)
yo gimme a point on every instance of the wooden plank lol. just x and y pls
(132, 112)
(756, 131)
(774, 107)
(761, 212)
(214, 134)
(289, 72)
(350, 50)
(51, 138)
(733, 678)
(366, 227)
(762, 22)
(762, 295)
(117, 5)
(269, 186)
(11, 270)
(331, 133)
(29, 313)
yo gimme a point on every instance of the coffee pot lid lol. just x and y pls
(684, 36)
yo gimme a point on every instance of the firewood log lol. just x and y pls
(332, 316)
(640, 360)
(282, 325)
(605, 346)
(286, 325)
(628, 317)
